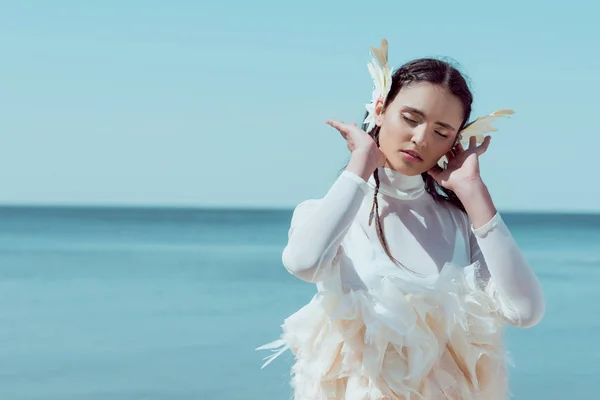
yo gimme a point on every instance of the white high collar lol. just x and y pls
(394, 184)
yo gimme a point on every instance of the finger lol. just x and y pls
(339, 125)
(335, 123)
(435, 172)
(482, 148)
(472, 142)
(458, 148)
(353, 124)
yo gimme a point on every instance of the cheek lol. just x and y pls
(442, 146)
(440, 149)
(394, 133)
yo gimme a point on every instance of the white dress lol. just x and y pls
(374, 330)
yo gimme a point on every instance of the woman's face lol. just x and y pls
(418, 127)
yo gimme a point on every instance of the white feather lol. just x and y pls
(478, 128)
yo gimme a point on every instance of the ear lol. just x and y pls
(379, 112)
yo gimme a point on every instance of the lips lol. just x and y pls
(414, 154)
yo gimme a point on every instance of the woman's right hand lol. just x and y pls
(366, 155)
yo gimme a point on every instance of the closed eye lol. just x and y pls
(410, 121)
(414, 122)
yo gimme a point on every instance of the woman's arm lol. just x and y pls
(319, 226)
(522, 300)
(520, 291)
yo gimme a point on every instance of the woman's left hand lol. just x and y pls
(463, 166)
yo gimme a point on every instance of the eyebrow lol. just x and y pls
(422, 114)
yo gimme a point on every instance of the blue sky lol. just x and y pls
(223, 103)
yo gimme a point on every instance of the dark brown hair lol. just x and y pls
(436, 72)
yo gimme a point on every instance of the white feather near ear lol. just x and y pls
(478, 129)
(481, 126)
(443, 162)
(382, 80)
(381, 53)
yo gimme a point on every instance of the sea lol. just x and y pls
(170, 304)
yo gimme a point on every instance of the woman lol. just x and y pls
(416, 271)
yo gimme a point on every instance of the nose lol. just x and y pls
(419, 135)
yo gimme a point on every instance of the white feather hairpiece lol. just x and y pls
(478, 129)
(382, 80)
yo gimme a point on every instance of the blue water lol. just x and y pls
(169, 304)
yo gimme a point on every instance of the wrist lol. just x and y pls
(477, 201)
(361, 164)
(470, 188)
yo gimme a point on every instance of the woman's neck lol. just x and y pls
(397, 185)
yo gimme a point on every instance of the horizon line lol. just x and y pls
(257, 208)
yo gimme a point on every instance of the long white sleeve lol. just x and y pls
(318, 228)
(511, 279)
